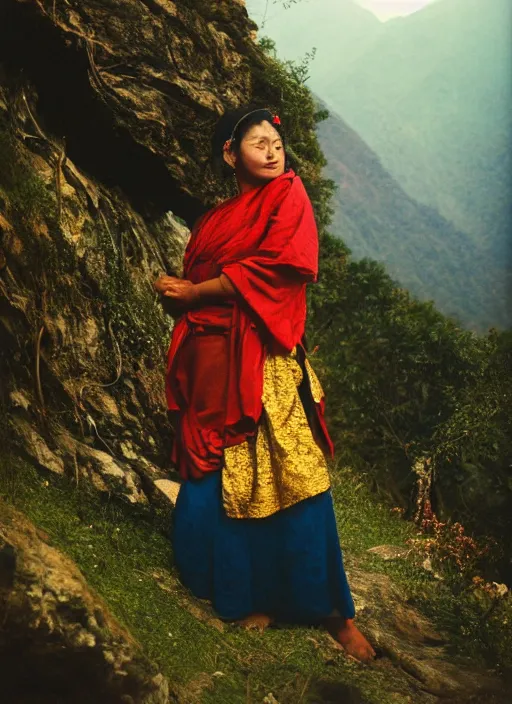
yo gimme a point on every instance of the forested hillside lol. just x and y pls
(419, 248)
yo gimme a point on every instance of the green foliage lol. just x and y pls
(136, 315)
(27, 193)
(472, 612)
(386, 355)
(404, 382)
(473, 447)
(31, 208)
(30, 204)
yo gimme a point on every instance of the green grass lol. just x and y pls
(125, 555)
(119, 550)
(355, 506)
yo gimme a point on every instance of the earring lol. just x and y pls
(235, 183)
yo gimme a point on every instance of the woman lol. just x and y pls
(254, 527)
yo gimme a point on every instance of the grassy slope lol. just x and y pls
(127, 558)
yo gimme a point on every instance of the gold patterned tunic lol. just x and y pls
(282, 464)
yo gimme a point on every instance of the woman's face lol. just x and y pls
(261, 157)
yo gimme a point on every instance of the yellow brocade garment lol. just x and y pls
(283, 464)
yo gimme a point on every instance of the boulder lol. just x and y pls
(59, 642)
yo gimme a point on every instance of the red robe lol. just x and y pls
(265, 241)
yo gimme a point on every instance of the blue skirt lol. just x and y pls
(288, 565)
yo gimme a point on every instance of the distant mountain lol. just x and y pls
(339, 30)
(431, 94)
(427, 254)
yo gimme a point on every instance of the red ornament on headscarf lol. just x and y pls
(276, 120)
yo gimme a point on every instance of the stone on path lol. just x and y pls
(389, 552)
(169, 489)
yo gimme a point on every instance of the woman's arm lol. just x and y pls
(220, 287)
(185, 293)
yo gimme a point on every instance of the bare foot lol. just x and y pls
(256, 622)
(350, 637)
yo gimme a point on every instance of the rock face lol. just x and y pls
(135, 86)
(58, 642)
(105, 115)
(83, 337)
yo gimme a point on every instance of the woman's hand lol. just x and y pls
(182, 292)
(179, 291)
(161, 282)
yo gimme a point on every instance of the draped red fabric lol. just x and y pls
(265, 241)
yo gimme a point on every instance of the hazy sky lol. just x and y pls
(384, 9)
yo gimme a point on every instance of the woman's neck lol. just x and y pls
(245, 185)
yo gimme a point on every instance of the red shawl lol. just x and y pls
(266, 242)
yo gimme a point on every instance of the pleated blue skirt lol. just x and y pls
(288, 565)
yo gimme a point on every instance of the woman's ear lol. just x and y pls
(230, 158)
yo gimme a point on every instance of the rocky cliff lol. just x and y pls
(105, 114)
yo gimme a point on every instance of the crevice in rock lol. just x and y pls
(38, 669)
(32, 48)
